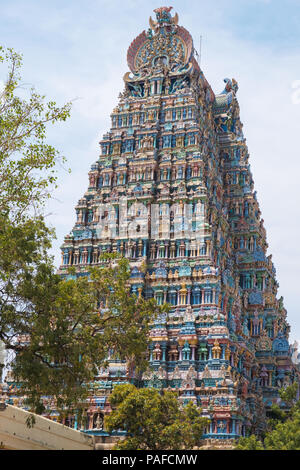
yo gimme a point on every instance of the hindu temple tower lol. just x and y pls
(173, 192)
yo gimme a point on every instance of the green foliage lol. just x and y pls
(285, 436)
(70, 336)
(27, 161)
(275, 415)
(249, 443)
(283, 430)
(289, 394)
(154, 420)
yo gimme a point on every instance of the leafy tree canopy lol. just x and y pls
(27, 160)
(154, 420)
(283, 427)
(74, 325)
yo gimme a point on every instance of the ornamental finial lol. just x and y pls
(231, 85)
(163, 18)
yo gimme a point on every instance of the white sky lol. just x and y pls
(77, 49)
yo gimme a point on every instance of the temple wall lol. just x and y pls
(44, 435)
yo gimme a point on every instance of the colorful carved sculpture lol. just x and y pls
(173, 192)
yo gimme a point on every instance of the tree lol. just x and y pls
(72, 327)
(249, 443)
(27, 160)
(283, 426)
(61, 331)
(285, 436)
(27, 173)
(154, 420)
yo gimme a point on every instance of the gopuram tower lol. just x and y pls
(173, 192)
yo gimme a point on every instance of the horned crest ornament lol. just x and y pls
(163, 17)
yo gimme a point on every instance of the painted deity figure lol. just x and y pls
(99, 422)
